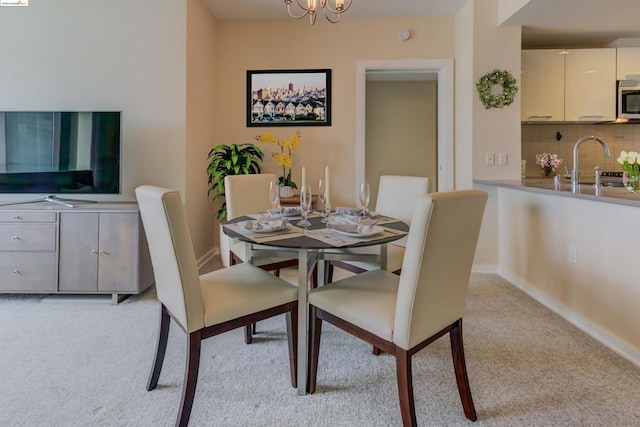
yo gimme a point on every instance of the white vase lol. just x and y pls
(286, 191)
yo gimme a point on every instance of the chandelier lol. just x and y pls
(332, 14)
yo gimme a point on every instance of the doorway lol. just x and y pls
(442, 70)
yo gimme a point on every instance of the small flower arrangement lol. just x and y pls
(548, 162)
(630, 163)
(283, 157)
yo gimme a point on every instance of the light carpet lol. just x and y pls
(80, 363)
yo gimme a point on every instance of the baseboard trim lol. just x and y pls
(484, 269)
(207, 257)
(593, 330)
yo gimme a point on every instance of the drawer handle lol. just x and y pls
(94, 251)
(16, 237)
(16, 271)
(17, 217)
(103, 253)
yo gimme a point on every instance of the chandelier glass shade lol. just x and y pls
(310, 8)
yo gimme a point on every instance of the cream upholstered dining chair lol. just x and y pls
(403, 314)
(396, 198)
(249, 194)
(209, 304)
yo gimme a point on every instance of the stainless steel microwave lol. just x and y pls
(629, 99)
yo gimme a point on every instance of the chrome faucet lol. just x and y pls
(575, 173)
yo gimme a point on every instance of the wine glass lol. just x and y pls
(305, 205)
(322, 196)
(274, 194)
(365, 197)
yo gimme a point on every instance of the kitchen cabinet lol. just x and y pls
(577, 85)
(628, 63)
(542, 85)
(590, 85)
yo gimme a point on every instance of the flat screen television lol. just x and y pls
(60, 152)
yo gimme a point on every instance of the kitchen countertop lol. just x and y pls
(616, 195)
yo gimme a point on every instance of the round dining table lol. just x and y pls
(313, 244)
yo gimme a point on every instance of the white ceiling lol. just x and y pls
(546, 23)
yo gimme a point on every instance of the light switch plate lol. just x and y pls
(490, 159)
(502, 159)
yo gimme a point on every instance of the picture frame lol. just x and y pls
(288, 97)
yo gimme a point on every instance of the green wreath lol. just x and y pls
(489, 80)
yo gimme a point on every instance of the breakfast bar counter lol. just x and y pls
(616, 195)
(573, 252)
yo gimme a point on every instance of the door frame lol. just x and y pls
(444, 69)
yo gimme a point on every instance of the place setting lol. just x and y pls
(348, 225)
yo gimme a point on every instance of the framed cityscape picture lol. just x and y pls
(289, 97)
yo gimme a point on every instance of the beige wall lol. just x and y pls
(482, 46)
(401, 131)
(201, 124)
(339, 47)
(104, 55)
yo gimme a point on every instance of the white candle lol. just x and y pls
(304, 177)
(327, 186)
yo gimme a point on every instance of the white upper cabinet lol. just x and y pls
(577, 85)
(590, 85)
(628, 63)
(542, 85)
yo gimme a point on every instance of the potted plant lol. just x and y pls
(234, 159)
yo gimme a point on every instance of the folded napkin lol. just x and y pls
(354, 212)
(291, 210)
(264, 225)
(349, 211)
(275, 212)
(269, 217)
(352, 226)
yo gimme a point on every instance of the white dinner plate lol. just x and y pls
(374, 230)
(256, 227)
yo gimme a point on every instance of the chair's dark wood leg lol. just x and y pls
(254, 329)
(328, 272)
(292, 338)
(460, 367)
(190, 378)
(276, 272)
(405, 388)
(315, 325)
(248, 336)
(314, 277)
(163, 335)
(376, 351)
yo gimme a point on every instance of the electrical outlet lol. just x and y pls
(490, 159)
(502, 159)
(573, 254)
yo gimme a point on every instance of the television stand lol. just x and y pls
(52, 199)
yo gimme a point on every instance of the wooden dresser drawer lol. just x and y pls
(19, 217)
(28, 272)
(28, 237)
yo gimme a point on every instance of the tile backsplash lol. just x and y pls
(538, 138)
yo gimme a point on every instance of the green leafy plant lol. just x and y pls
(234, 159)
